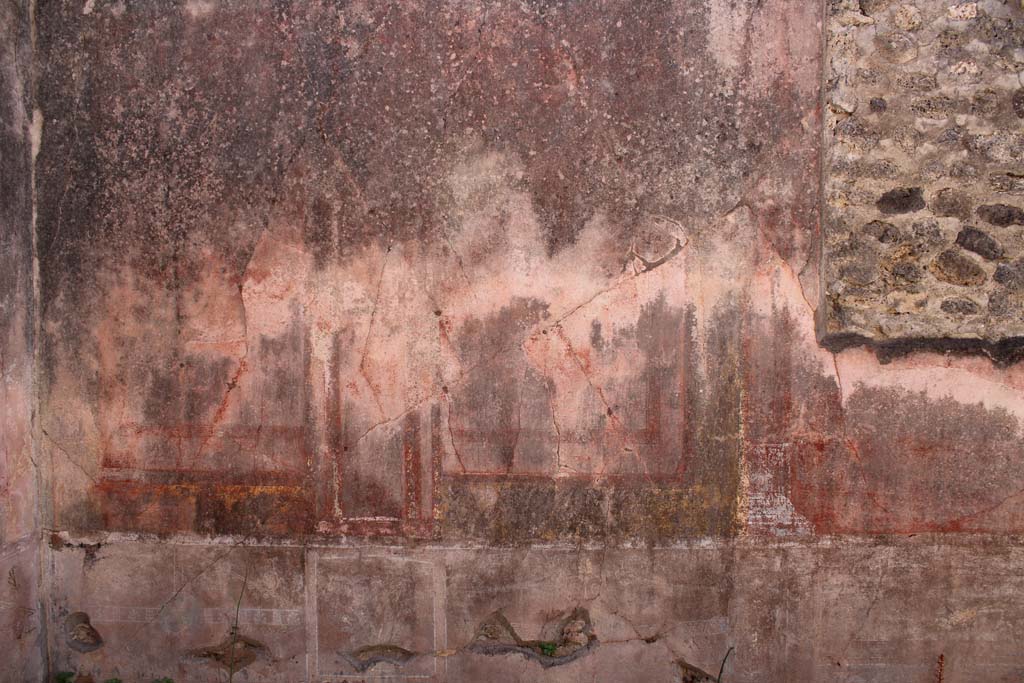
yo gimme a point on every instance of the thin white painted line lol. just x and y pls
(440, 618)
(174, 569)
(376, 677)
(371, 519)
(312, 620)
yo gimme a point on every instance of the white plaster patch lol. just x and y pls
(908, 18)
(198, 9)
(860, 367)
(727, 20)
(963, 12)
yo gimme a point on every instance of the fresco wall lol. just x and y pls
(21, 629)
(467, 341)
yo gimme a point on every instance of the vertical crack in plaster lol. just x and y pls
(844, 431)
(243, 365)
(604, 401)
(451, 432)
(879, 588)
(369, 333)
(558, 431)
(207, 567)
(519, 428)
(42, 500)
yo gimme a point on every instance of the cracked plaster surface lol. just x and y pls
(517, 313)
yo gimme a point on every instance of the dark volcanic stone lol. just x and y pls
(871, 7)
(937, 107)
(998, 303)
(1011, 275)
(877, 105)
(927, 230)
(908, 272)
(1001, 214)
(901, 200)
(1018, 103)
(1009, 182)
(861, 270)
(958, 306)
(952, 135)
(917, 82)
(981, 243)
(985, 103)
(886, 233)
(957, 268)
(950, 202)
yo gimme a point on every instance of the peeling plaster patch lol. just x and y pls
(233, 654)
(963, 12)
(727, 32)
(199, 8)
(574, 638)
(365, 658)
(80, 634)
(937, 381)
(767, 507)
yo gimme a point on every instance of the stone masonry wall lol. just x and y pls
(924, 177)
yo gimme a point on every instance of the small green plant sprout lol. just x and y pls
(548, 648)
(163, 680)
(64, 677)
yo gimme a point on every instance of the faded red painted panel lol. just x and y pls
(224, 509)
(901, 455)
(500, 292)
(564, 290)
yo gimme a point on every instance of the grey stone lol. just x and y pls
(955, 267)
(999, 303)
(917, 82)
(901, 200)
(950, 202)
(959, 306)
(897, 47)
(1011, 275)
(1009, 182)
(886, 233)
(1001, 215)
(908, 272)
(862, 269)
(980, 242)
(937, 107)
